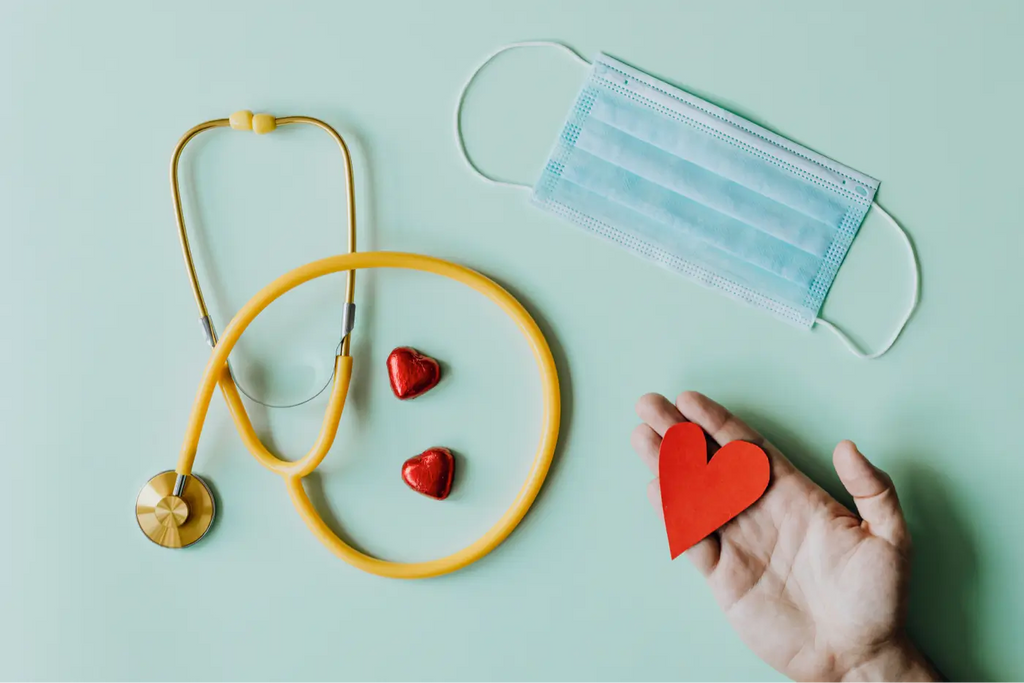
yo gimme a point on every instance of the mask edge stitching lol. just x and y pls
(646, 80)
(711, 280)
(743, 146)
(848, 229)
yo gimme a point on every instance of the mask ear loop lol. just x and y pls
(843, 337)
(462, 98)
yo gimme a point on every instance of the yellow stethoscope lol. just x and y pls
(176, 508)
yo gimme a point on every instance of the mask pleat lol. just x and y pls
(710, 189)
(680, 213)
(718, 156)
(707, 193)
(704, 259)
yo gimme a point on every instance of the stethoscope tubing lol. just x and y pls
(293, 472)
(218, 373)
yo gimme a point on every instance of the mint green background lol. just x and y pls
(102, 353)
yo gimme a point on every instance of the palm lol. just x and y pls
(811, 588)
(802, 582)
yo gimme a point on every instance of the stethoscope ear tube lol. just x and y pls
(260, 124)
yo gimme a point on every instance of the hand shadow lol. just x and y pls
(944, 584)
(794, 448)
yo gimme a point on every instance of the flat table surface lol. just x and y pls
(102, 352)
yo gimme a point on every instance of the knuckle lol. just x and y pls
(640, 436)
(646, 403)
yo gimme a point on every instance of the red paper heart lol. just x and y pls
(430, 473)
(699, 496)
(411, 373)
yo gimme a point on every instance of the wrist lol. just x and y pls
(898, 660)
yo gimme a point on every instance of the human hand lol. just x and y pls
(814, 590)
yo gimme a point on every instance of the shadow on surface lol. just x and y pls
(535, 513)
(943, 619)
(944, 603)
(462, 468)
(212, 275)
(366, 240)
(564, 390)
(314, 485)
(218, 512)
(799, 452)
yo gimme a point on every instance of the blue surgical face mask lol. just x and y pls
(708, 194)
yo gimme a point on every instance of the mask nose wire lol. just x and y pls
(462, 98)
(915, 299)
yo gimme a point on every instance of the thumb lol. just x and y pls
(873, 493)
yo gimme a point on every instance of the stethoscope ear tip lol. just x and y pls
(175, 511)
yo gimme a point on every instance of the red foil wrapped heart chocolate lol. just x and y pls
(430, 473)
(411, 373)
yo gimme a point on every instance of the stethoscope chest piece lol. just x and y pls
(174, 513)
